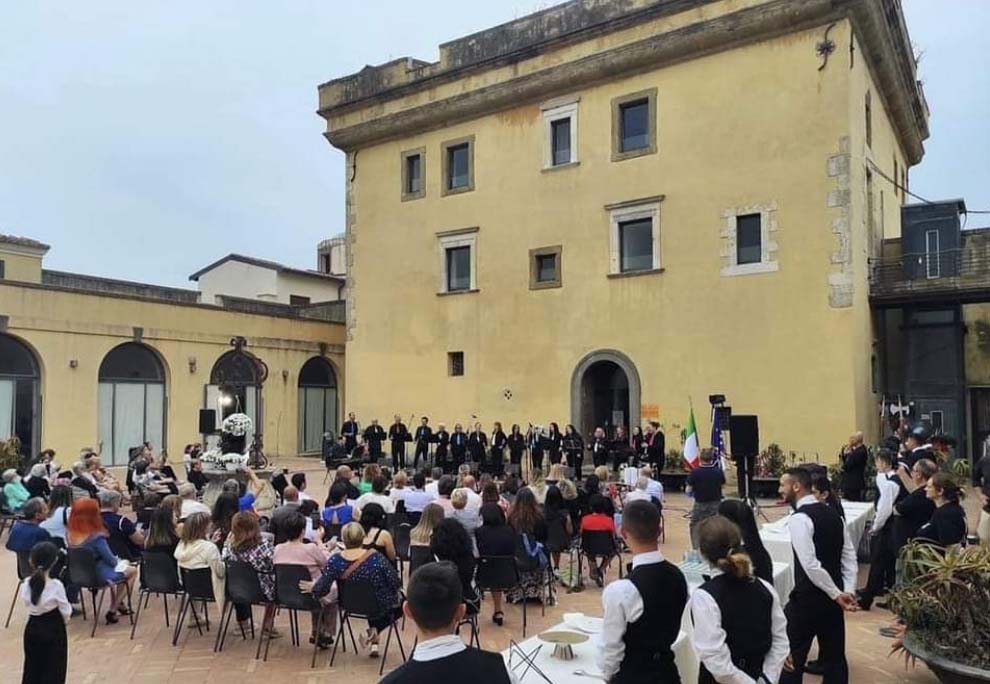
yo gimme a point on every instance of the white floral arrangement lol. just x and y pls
(237, 424)
(214, 460)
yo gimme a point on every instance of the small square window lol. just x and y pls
(458, 269)
(560, 134)
(635, 122)
(546, 268)
(298, 300)
(749, 239)
(458, 167)
(455, 364)
(636, 245)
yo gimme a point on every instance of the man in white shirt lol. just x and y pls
(824, 579)
(883, 554)
(642, 613)
(187, 491)
(376, 495)
(653, 487)
(418, 497)
(639, 493)
(299, 482)
(435, 602)
(474, 499)
(431, 486)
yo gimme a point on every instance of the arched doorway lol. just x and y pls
(131, 400)
(317, 403)
(605, 392)
(19, 394)
(235, 386)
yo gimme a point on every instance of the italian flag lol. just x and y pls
(691, 451)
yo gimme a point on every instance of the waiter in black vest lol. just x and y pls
(824, 579)
(350, 431)
(643, 611)
(424, 435)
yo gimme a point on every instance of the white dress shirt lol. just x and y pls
(444, 647)
(474, 501)
(417, 499)
(622, 604)
(709, 639)
(638, 495)
(655, 490)
(802, 532)
(431, 488)
(371, 497)
(887, 491)
(52, 597)
(190, 506)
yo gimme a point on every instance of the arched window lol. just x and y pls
(131, 400)
(317, 403)
(19, 388)
(235, 387)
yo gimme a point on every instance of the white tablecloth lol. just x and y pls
(778, 540)
(783, 582)
(562, 671)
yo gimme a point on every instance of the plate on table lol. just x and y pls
(583, 623)
(560, 636)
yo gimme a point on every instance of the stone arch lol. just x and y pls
(579, 389)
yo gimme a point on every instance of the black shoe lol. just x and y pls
(814, 667)
(498, 618)
(864, 601)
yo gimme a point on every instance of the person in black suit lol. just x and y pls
(516, 442)
(574, 448)
(476, 444)
(374, 435)
(442, 439)
(424, 435)
(398, 435)
(458, 446)
(499, 441)
(655, 447)
(350, 431)
(853, 458)
(554, 440)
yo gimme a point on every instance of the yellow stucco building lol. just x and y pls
(601, 211)
(95, 362)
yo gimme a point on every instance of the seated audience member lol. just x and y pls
(196, 552)
(742, 515)
(310, 510)
(643, 612)
(653, 487)
(196, 476)
(298, 481)
(463, 513)
(125, 540)
(740, 632)
(346, 476)
(435, 602)
(370, 567)
(376, 537)
(947, 525)
(59, 506)
(601, 519)
(490, 495)
(558, 523)
(572, 502)
(639, 493)
(526, 518)
(444, 489)
(29, 531)
(377, 495)
(289, 507)
(451, 543)
(245, 544)
(249, 494)
(86, 530)
(418, 497)
(495, 538)
(510, 487)
(368, 475)
(434, 483)
(224, 509)
(99, 475)
(36, 483)
(146, 480)
(173, 503)
(338, 511)
(187, 490)
(422, 533)
(295, 551)
(15, 495)
(705, 483)
(538, 485)
(469, 484)
(399, 490)
(162, 535)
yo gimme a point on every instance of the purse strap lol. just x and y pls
(356, 564)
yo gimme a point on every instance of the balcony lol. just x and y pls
(953, 276)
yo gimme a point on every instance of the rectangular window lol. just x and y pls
(2, 269)
(636, 245)
(937, 421)
(455, 364)
(546, 268)
(933, 266)
(414, 174)
(298, 300)
(869, 119)
(635, 123)
(458, 269)
(458, 167)
(560, 135)
(325, 263)
(749, 239)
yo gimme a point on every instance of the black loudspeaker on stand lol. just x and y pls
(207, 421)
(745, 434)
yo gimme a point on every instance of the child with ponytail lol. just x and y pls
(45, 644)
(740, 633)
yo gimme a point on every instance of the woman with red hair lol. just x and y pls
(86, 530)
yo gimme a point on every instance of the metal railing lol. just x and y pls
(948, 272)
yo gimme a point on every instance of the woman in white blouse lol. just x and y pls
(740, 632)
(45, 644)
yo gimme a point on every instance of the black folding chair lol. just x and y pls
(331, 531)
(23, 572)
(243, 586)
(197, 585)
(84, 574)
(159, 576)
(418, 556)
(357, 599)
(599, 544)
(287, 578)
(400, 536)
(499, 573)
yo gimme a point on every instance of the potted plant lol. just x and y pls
(674, 473)
(770, 465)
(10, 454)
(944, 602)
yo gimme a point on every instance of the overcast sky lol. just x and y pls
(143, 140)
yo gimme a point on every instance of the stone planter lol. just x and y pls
(947, 671)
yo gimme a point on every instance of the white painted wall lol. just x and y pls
(237, 279)
(317, 289)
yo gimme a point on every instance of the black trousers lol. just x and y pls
(46, 649)
(574, 461)
(497, 462)
(536, 458)
(422, 449)
(852, 493)
(883, 563)
(398, 455)
(810, 616)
